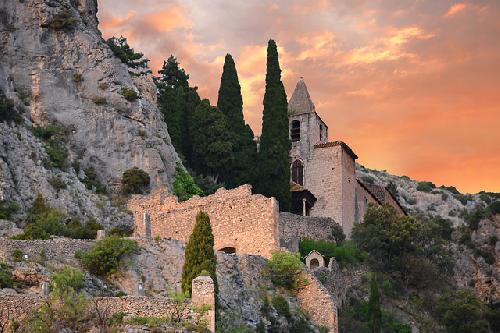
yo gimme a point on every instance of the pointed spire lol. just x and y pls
(301, 101)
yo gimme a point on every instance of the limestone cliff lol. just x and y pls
(58, 70)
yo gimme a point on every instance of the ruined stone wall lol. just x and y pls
(247, 222)
(59, 249)
(315, 300)
(294, 227)
(348, 192)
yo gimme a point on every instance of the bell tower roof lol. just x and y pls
(301, 100)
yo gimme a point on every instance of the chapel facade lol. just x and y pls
(323, 173)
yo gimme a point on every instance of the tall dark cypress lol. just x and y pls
(230, 103)
(273, 178)
(374, 309)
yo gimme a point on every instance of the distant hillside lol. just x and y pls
(425, 197)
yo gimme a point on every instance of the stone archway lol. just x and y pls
(314, 263)
(314, 260)
(228, 250)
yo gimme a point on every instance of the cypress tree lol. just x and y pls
(199, 254)
(273, 175)
(374, 310)
(230, 103)
(212, 148)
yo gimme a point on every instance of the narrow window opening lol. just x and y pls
(298, 172)
(295, 131)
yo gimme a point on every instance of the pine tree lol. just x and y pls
(199, 254)
(374, 310)
(177, 101)
(273, 175)
(212, 147)
(230, 103)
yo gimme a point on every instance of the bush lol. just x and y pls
(184, 186)
(104, 258)
(347, 253)
(494, 208)
(17, 255)
(135, 181)
(8, 112)
(57, 183)
(77, 77)
(462, 312)
(6, 280)
(63, 21)
(68, 279)
(7, 209)
(285, 269)
(92, 182)
(337, 234)
(129, 94)
(425, 186)
(199, 254)
(99, 100)
(281, 306)
(76, 230)
(54, 138)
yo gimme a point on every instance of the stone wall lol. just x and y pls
(59, 249)
(248, 223)
(293, 228)
(315, 300)
(363, 198)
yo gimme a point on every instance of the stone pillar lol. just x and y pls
(140, 289)
(100, 234)
(203, 294)
(304, 208)
(146, 218)
(45, 289)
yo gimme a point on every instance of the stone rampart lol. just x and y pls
(241, 221)
(317, 302)
(58, 249)
(293, 228)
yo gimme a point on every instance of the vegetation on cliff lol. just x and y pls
(199, 253)
(273, 169)
(104, 258)
(135, 181)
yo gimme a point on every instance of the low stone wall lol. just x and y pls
(293, 228)
(241, 221)
(315, 300)
(59, 249)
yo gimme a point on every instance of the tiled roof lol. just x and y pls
(379, 192)
(338, 143)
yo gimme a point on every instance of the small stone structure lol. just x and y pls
(101, 234)
(315, 260)
(203, 294)
(241, 221)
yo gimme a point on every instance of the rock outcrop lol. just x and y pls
(58, 70)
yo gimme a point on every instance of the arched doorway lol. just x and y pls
(298, 172)
(314, 263)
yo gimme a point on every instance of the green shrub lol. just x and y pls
(63, 21)
(281, 306)
(129, 94)
(69, 278)
(104, 258)
(76, 230)
(17, 255)
(126, 54)
(452, 189)
(184, 186)
(99, 100)
(494, 208)
(337, 234)
(151, 322)
(487, 255)
(8, 112)
(77, 77)
(135, 181)
(92, 182)
(493, 240)
(425, 186)
(6, 280)
(57, 183)
(54, 138)
(199, 254)
(286, 268)
(7, 209)
(120, 231)
(346, 253)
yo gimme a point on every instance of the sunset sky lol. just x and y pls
(413, 87)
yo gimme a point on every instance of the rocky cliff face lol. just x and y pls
(58, 70)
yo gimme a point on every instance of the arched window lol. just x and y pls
(298, 172)
(295, 130)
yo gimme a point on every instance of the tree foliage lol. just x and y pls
(374, 307)
(285, 269)
(199, 254)
(184, 186)
(244, 150)
(8, 112)
(273, 171)
(135, 181)
(105, 256)
(127, 55)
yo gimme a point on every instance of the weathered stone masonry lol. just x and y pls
(240, 221)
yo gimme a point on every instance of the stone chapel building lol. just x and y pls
(323, 173)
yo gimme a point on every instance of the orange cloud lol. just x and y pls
(455, 9)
